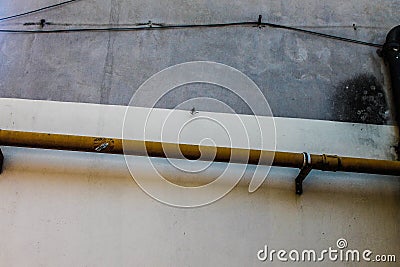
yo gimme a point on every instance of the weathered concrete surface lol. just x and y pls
(302, 76)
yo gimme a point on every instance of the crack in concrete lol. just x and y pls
(109, 63)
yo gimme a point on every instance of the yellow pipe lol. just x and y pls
(222, 154)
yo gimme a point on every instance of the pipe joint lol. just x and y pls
(331, 163)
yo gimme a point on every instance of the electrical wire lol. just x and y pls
(37, 10)
(151, 26)
(334, 37)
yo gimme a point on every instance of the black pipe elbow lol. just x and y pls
(393, 35)
(391, 54)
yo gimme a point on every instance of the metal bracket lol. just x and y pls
(259, 22)
(1, 161)
(304, 171)
(151, 24)
(42, 23)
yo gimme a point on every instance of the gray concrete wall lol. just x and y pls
(302, 76)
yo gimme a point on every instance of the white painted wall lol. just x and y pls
(61, 208)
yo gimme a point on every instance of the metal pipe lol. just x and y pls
(391, 54)
(223, 154)
(1, 161)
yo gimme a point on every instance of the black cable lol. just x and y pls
(37, 10)
(323, 35)
(180, 26)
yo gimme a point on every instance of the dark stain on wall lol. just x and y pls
(361, 99)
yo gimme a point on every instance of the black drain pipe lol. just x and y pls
(391, 54)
